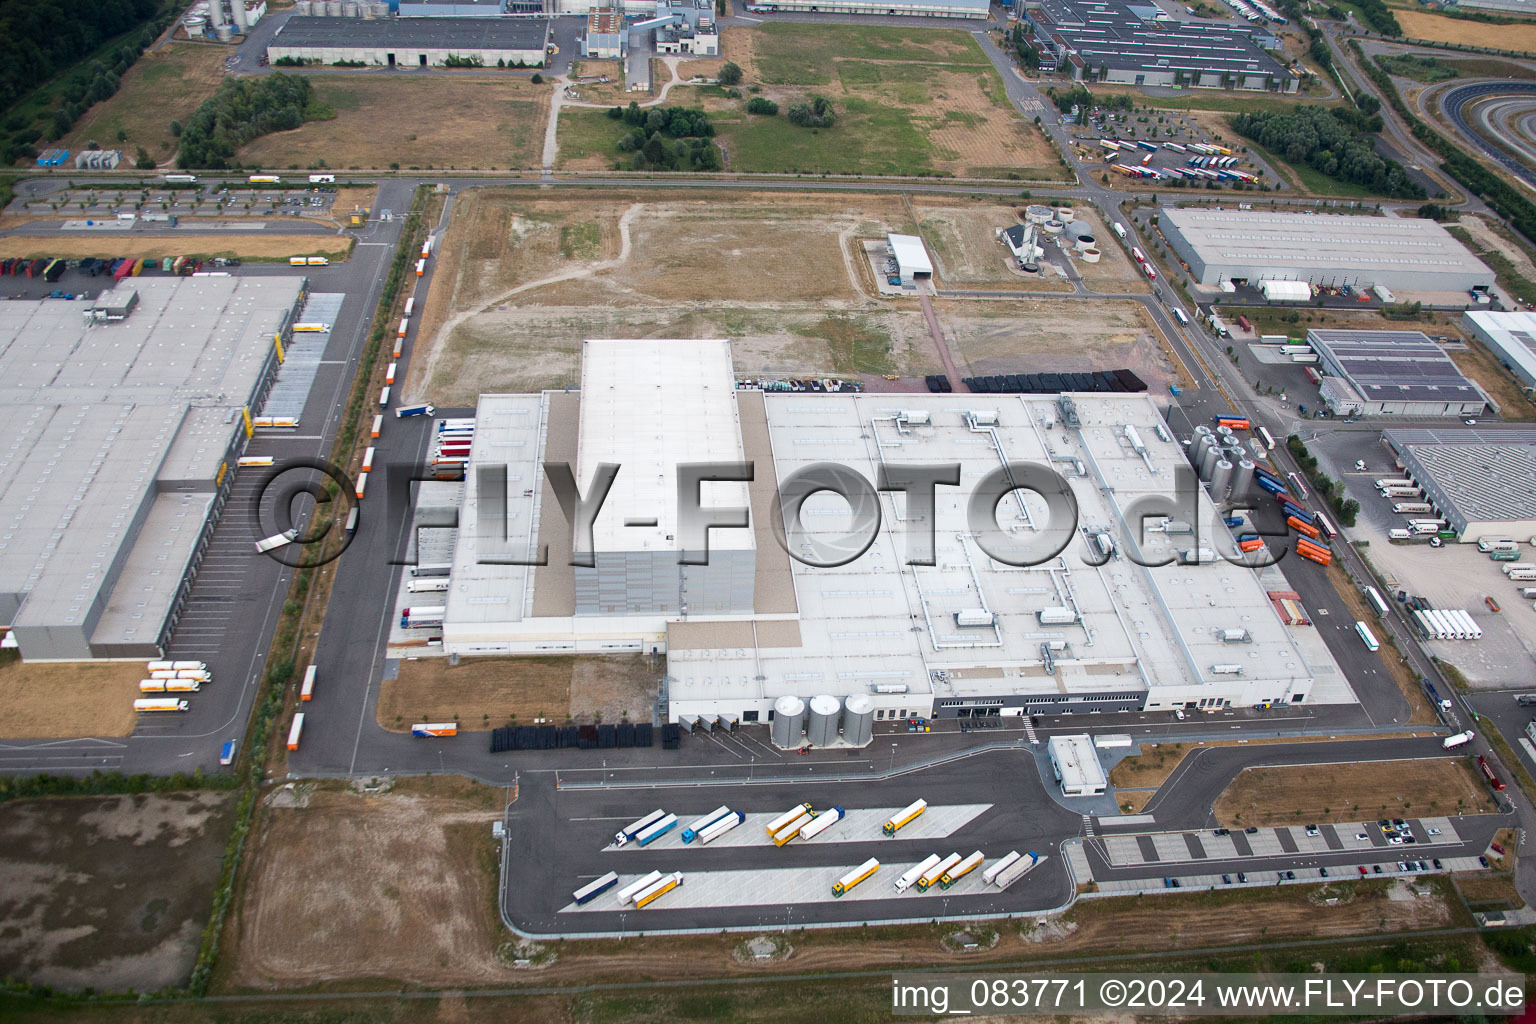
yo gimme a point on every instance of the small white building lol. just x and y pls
(1075, 762)
(911, 257)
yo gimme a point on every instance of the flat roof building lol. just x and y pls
(1392, 373)
(606, 35)
(1481, 480)
(1088, 629)
(1511, 337)
(1402, 254)
(1135, 44)
(1075, 762)
(911, 257)
(123, 426)
(412, 42)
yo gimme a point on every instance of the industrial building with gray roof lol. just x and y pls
(1403, 254)
(1392, 373)
(1481, 480)
(1135, 44)
(122, 434)
(1088, 629)
(1510, 336)
(412, 42)
(968, 9)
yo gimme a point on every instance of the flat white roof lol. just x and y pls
(1512, 336)
(910, 253)
(648, 406)
(1078, 762)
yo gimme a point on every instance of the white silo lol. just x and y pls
(788, 721)
(821, 725)
(858, 720)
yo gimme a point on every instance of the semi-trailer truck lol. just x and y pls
(720, 827)
(791, 830)
(842, 885)
(788, 816)
(1017, 870)
(629, 832)
(402, 411)
(911, 875)
(929, 878)
(823, 821)
(970, 863)
(1458, 739)
(148, 704)
(639, 885)
(700, 824)
(903, 817)
(999, 866)
(657, 830)
(595, 888)
(659, 889)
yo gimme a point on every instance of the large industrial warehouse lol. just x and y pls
(124, 427)
(969, 9)
(1134, 44)
(412, 42)
(1481, 480)
(967, 636)
(1397, 253)
(1511, 337)
(1392, 373)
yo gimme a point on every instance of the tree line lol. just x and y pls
(242, 110)
(38, 38)
(667, 138)
(1332, 142)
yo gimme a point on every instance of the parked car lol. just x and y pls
(1312, 830)
(1226, 879)
(1251, 829)
(1362, 836)
(1242, 876)
(1363, 871)
(1376, 869)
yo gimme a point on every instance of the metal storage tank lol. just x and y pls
(194, 23)
(333, 8)
(1051, 227)
(1221, 478)
(858, 720)
(1091, 255)
(1203, 444)
(1084, 243)
(1030, 268)
(1242, 478)
(224, 33)
(1063, 214)
(1037, 214)
(349, 8)
(821, 725)
(788, 721)
(1208, 463)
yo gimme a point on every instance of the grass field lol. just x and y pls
(908, 102)
(791, 53)
(484, 693)
(108, 892)
(251, 245)
(587, 140)
(161, 87)
(1302, 794)
(58, 700)
(442, 121)
(1520, 37)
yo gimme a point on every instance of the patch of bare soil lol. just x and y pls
(108, 892)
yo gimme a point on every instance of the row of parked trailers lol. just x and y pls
(1447, 624)
(1055, 383)
(169, 679)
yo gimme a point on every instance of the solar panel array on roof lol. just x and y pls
(1394, 366)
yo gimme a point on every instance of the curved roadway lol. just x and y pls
(1454, 102)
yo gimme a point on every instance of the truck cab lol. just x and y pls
(227, 752)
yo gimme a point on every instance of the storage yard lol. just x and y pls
(108, 892)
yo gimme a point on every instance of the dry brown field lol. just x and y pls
(65, 699)
(485, 693)
(162, 86)
(444, 121)
(1437, 29)
(1301, 794)
(251, 245)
